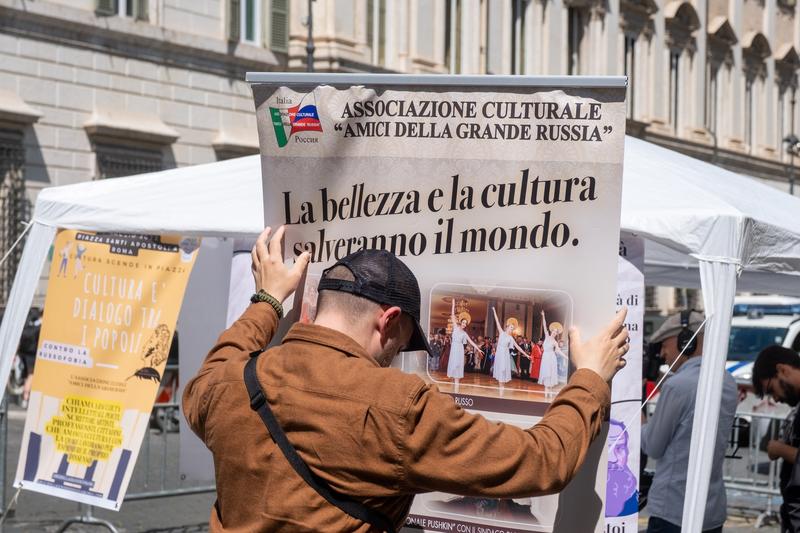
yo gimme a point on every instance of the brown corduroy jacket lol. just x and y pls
(375, 434)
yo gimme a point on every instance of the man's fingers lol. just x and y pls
(618, 321)
(261, 245)
(276, 246)
(301, 264)
(574, 336)
(621, 337)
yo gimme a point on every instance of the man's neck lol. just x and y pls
(344, 326)
(686, 359)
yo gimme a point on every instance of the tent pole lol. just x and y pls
(718, 281)
(22, 291)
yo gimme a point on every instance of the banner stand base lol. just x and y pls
(86, 517)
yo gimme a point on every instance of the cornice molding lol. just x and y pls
(44, 21)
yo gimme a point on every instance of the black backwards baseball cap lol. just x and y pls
(381, 277)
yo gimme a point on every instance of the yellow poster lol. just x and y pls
(109, 318)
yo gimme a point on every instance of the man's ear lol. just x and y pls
(389, 319)
(782, 370)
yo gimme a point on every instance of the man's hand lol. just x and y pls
(780, 450)
(604, 353)
(268, 269)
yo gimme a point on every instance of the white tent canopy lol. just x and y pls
(697, 218)
(729, 224)
(692, 209)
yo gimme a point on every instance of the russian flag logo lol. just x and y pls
(304, 118)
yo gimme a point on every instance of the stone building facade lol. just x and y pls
(94, 89)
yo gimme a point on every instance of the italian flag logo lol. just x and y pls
(300, 118)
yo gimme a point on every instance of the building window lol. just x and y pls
(518, 36)
(452, 36)
(576, 18)
(630, 72)
(687, 299)
(14, 206)
(650, 301)
(678, 300)
(244, 23)
(124, 8)
(712, 97)
(279, 26)
(250, 21)
(724, 120)
(748, 113)
(693, 298)
(674, 87)
(781, 116)
(376, 30)
(495, 57)
(115, 161)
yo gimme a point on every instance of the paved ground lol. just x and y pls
(735, 524)
(183, 514)
(189, 514)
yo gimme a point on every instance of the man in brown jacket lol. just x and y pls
(370, 433)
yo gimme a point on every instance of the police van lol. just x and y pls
(759, 321)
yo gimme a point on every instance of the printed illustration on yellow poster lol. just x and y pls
(109, 318)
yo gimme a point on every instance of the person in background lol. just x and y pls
(28, 346)
(488, 356)
(776, 373)
(436, 352)
(524, 362)
(536, 360)
(469, 358)
(444, 359)
(667, 435)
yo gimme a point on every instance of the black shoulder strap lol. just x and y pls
(259, 404)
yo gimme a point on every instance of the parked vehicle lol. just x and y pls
(752, 333)
(766, 305)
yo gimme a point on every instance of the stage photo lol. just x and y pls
(503, 342)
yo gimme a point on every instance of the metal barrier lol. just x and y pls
(751, 479)
(161, 477)
(157, 470)
(155, 475)
(3, 454)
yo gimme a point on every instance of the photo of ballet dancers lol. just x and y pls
(500, 341)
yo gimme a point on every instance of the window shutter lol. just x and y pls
(494, 44)
(106, 7)
(142, 10)
(234, 20)
(370, 23)
(279, 26)
(382, 33)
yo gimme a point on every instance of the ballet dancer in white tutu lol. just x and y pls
(502, 357)
(458, 338)
(548, 373)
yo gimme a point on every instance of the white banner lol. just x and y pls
(622, 488)
(501, 201)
